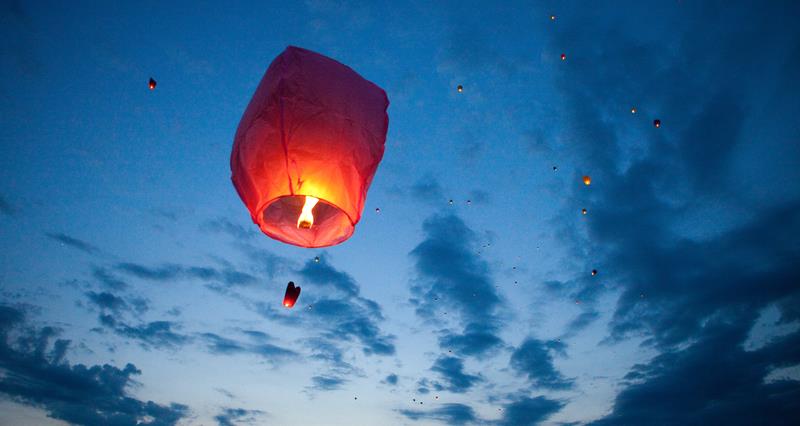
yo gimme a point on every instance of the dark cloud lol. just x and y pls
(713, 381)
(327, 383)
(233, 416)
(452, 372)
(322, 273)
(169, 272)
(428, 190)
(225, 226)
(155, 334)
(528, 411)
(391, 379)
(105, 300)
(477, 340)
(74, 243)
(451, 277)
(534, 359)
(78, 394)
(580, 322)
(226, 346)
(348, 317)
(448, 413)
(108, 279)
(685, 230)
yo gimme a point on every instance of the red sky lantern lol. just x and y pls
(563, 56)
(151, 84)
(292, 293)
(587, 180)
(307, 148)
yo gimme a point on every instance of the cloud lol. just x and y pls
(452, 371)
(322, 273)
(448, 413)
(528, 411)
(391, 379)
(451, 277)
(534, 359)
(225, 226)
(78, 394)
(105, 300)
(154, 334)
(233, 416)
(428, 190)
(327, 383)
(169, 272)
(691, 228)
(713, 381)
(74, 243)
(225, 346)
(108, 279)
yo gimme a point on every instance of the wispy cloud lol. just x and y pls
(451, 369)
(448, 413)
(533, 358)
(234, 416)
(73, 242)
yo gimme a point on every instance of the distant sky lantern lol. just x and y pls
(307, 148)
(587, 180)
(292, 293)
(657, 123)
(563, 56)
(460, 88)
(633, 110)
(594, 272)
(552, 17)
(151, 84)
(583, 211)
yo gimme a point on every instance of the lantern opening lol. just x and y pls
(290, 219)
(306, 218)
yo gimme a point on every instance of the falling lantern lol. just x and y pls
(460, 88)
(587, 180)
(292, 293)
(563, 56)
(151, 84)
(307, 148)
(657, 123)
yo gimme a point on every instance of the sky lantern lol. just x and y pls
(594, 272)
(583, 211)
(657, 123)
(292, 293)
(307, 148)
(563, 56)
(633, 110)
(151, 84)
(460, 88)
(552, 17)
(587, 180)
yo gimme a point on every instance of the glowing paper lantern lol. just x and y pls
(307, 148)
(563, 56)
(657, 123)
(460, 88)
(587, 180)
(151, 84)
(292, 293)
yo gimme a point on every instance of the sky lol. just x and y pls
(135, 289)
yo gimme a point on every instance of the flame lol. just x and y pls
(306, 218)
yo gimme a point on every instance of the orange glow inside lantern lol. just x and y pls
(307, 148)
(587, 180)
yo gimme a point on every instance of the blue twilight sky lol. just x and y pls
(135, 288)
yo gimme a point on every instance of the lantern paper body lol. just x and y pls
(292, 293)
(314, 127)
